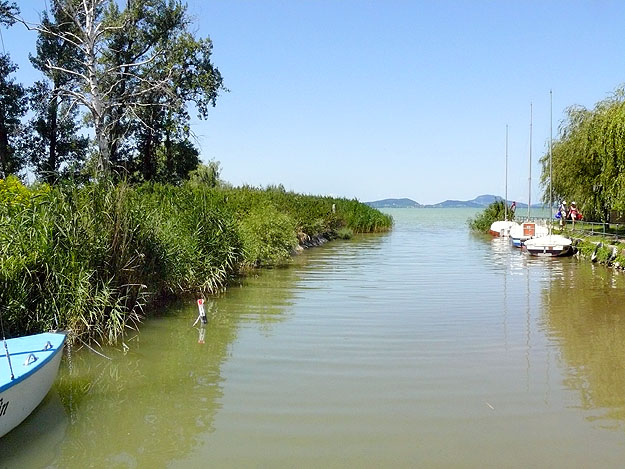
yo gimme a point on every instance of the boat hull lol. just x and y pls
(547, 251)
(21, 395)
(548, 246)
(501, 228)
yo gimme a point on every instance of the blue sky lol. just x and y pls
(378, 99)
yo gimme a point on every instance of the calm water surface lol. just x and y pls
(424, 347)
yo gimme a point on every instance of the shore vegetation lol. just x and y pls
(495, 211)
(588, 158)
(91, 258)
(124, 212)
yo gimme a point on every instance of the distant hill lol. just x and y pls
(394, 203)
(481, 201)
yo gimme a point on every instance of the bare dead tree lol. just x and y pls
(110, 92)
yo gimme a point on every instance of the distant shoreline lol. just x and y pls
(481, 201)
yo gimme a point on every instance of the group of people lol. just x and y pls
(571, 212)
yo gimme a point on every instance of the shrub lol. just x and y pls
(268, 236)
(494, 212)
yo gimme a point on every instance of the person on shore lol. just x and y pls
(573, 213)
(562, 212)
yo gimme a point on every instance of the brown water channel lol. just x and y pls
(424, 347)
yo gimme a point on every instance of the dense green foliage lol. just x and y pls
(126, 73)
(494, 212)
(50, 141)
(589, 158)
(12, 108)
(598, 249)
(7, 10)
(88, 259)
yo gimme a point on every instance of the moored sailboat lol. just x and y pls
(550, 245)
(501, 228)
(519, 234)
(529, 229)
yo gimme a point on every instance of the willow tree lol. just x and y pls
(589, 158)
(124, 60)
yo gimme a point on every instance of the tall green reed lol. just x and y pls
(88, 259)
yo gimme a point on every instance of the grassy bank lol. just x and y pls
(601, 250)
(88, 259)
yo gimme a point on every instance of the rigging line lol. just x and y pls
(6, 348)
(2, 41)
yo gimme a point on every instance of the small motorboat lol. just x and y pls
(28, 367)
(548, 246)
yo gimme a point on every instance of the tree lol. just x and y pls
(12, 102)
(205, 174)
(53, 134)
(129, 60)
(589, 158)
(8, 10)
(163, 120)
(51, 138)
(12, 108)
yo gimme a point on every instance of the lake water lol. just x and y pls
(427, 346)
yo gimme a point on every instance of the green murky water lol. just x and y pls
(424, 347)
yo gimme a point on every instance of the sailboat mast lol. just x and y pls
(529, 192)
(506, 195)
(550, 158)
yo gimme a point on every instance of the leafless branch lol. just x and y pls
(65, 70)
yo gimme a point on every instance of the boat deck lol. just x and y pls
(20, 349)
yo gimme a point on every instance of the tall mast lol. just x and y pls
(550, 157)
(529, 192)
(506, 201)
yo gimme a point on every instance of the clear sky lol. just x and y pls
(390, 98)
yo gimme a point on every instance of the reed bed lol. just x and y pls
(88, 259)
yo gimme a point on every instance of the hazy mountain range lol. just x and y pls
(480, 201)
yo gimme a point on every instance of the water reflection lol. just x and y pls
(584, 314)
(153, 403)
(408, 349)
(44, 429)
(149, 404)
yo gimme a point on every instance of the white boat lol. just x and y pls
(519, 234)
(551, 245)
(502, 228)
(27, 370)
(529, 229)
